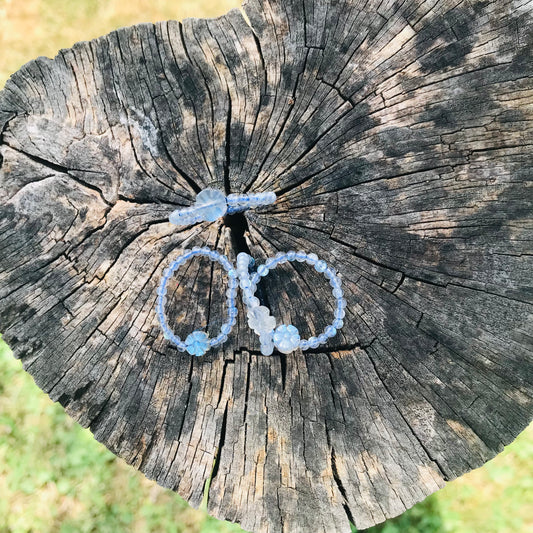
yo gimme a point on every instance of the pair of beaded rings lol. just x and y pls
(210, 205)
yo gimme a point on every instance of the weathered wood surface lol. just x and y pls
(399, 138)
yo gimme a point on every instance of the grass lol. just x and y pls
(31, 28)
(54, 477)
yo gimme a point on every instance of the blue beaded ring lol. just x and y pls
(198, 342)
(285, 337)
(212, 204)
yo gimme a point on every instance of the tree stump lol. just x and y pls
(399, 139)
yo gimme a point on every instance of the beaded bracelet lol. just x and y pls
(198, 342)
(286, 337)
(212, 204)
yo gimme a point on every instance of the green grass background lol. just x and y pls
(55, 478)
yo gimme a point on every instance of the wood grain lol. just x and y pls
(399, 139)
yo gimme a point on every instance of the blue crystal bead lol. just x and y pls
(286, 338)
(338, 323)
(313, 342)
(330, 331)
(304, 345)
(212, 204)
(197, 343)
(320, 266)
(262, 270)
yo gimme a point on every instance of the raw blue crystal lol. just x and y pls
(197, 343)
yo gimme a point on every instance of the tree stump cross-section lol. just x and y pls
(398, 136)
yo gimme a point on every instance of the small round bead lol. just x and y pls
(231, 301)
(291, 255)
(320, 266)
(300, 256)
(338, 323)
(232, 321)
(311, 259)
(330, 331)
(232, 311)
(255, 279)
(339, 313)
(233, 283)
(304, 345)
(322, 338)
(262, 270)
(226, 328)
(245, 283)
(342, 303)
(313, 342)
(337, 293)
(232, 273)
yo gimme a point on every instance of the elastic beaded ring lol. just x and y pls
(198, 342)
(286, 337)
(212, 204)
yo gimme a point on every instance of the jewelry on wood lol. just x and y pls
(212, 204)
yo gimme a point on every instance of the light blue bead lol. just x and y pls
(304, 345)
(339, 313)
(311, 259)
(320, 266)
(313, 342)
(338, 323)
(330, 331)
(211, 204)
(342, 303)
(232, 321)
(255, 279)
(300, 256)
(226, 328)
(337, 292)
(197, 343)
(322, 338)
(232, 273)
(291, 255)
(232, 311)
(286, 338)
(231, 302)
(245, 283)
(233, 283)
